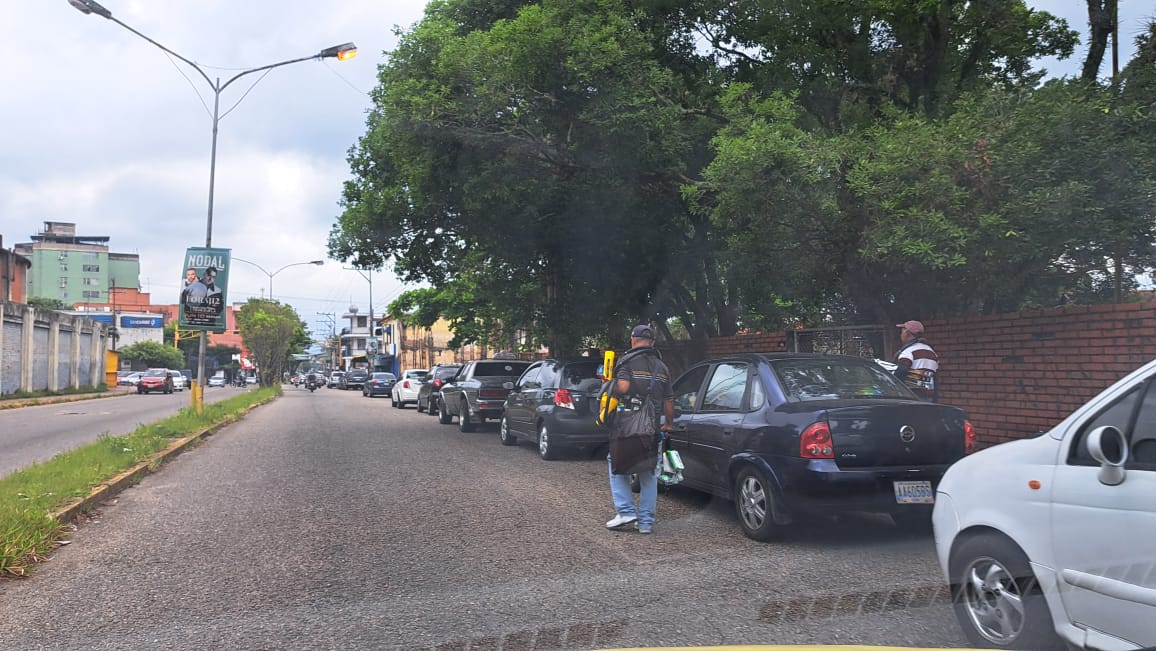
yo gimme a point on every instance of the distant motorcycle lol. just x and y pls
(311, 384)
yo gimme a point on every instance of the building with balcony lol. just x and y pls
(76, 268)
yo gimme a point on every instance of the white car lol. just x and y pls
(406, 389)
(217, 381)
(179, 383)
(1054, 537)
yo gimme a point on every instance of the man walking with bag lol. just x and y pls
(641, 383)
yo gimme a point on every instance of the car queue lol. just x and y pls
(1043, 542)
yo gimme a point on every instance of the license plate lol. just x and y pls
(914, 492)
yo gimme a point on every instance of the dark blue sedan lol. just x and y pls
(378, 384)
(792, 433)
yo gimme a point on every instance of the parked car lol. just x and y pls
(179, 383)
(407, 387)
(1052, 537)
(554, 404)
(793, 433)
(334, 381)
(478, 391)
(217, 381)
(129, 379)
(379, 384)
(355, 378)
(155, 379)
(430, 391)
(251, 379)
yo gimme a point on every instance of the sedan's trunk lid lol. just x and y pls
(896, 434)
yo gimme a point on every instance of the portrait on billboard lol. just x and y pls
(202, 298)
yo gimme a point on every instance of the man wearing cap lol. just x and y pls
(917, 362)
(640, 375)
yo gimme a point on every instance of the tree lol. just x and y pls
(511, 165)
(271, 331)
(151, 354)
(47, 303)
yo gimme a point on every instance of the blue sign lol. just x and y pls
(142, 322)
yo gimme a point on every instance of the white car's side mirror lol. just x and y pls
(1109, 448)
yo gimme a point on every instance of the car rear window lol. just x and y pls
(383, 376)
(156, 373)
(582, 377)
(496, 368)
(821, 379)
(446, 372)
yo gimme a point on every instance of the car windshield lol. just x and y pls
(498, 368)
(155, 374)
(823, 379)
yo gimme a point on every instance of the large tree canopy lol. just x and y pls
(555, 170)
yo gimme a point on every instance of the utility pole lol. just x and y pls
(331, 319)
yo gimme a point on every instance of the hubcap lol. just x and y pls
(504, 429)
(753, 502)
(993, 600)
(543, 441)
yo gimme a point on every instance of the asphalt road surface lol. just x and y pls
(29, 434)
(333, 521)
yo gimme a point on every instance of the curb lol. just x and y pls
(17, 403)
(131, 476)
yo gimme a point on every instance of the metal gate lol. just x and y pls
(869, 341)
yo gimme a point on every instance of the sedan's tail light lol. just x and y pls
(562, 398)
(405, 385)
(437, 384)
(815, 443)
(970, 440)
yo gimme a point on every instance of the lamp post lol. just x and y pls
(341, 52)
(270, 275)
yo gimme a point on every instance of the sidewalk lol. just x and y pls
(16, 403)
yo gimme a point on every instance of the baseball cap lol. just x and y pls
(914, 327)
(642, 332)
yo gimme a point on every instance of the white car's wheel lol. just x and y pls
(997, 599)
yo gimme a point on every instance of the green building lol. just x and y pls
(76, 268)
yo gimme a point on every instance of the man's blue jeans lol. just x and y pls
(647, 494)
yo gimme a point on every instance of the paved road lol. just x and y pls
(332, 521)
(29, 434)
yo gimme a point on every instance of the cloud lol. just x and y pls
(105, 130)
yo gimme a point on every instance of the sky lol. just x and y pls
(103, 129)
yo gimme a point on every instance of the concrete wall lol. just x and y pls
(46, 350)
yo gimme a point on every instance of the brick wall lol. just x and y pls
(1018, 374)
(1015, 374)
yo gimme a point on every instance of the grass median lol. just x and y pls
(29, 497)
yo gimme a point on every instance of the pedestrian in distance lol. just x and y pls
(917, 363)
(641, 382)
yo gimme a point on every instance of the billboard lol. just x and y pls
(204, 287)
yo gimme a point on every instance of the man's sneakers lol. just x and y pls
(643, 528)
(620, 521)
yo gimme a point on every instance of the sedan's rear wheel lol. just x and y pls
(505, 436)
(418, 407)
(443, 416)
(433, 407)
(997, 599)
(754, 504)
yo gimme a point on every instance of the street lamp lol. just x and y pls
(342, 52)
(270, 275)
